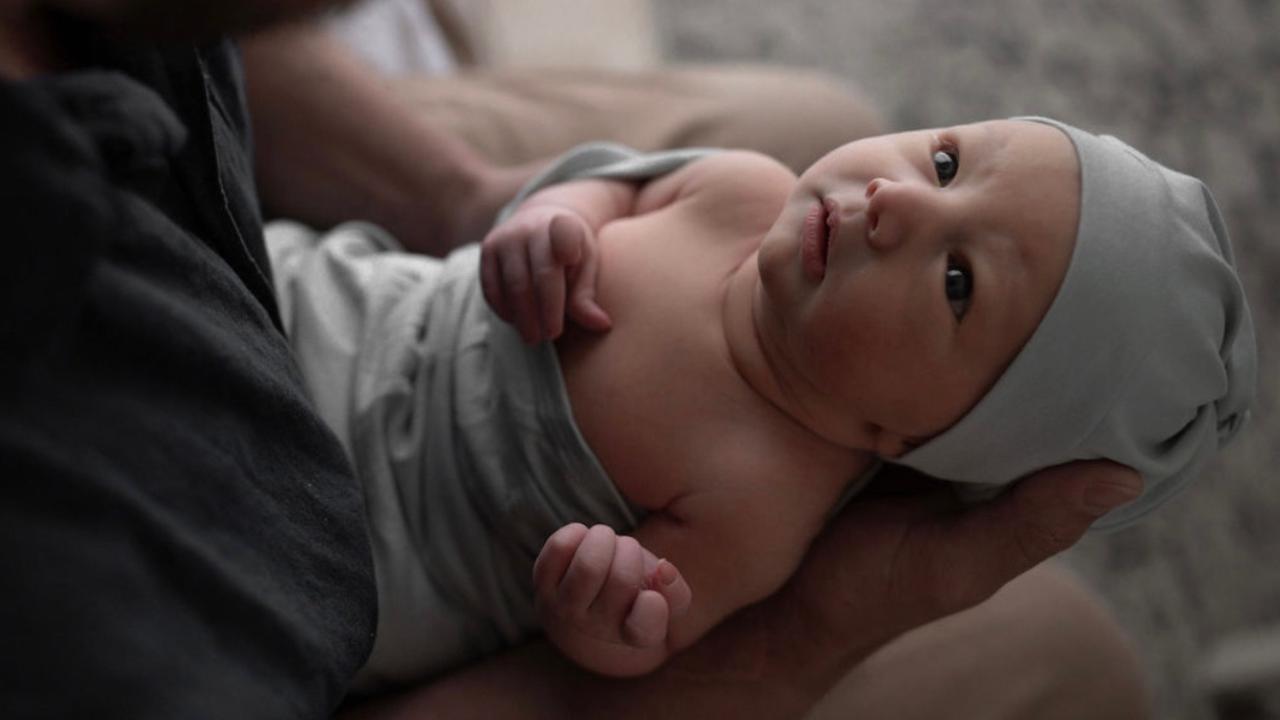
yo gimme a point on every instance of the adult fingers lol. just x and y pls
(887, 565)
(978, 551)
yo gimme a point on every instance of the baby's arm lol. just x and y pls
(548, 249)
(606, 601)
(610, 604)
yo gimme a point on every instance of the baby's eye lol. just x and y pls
(946, 163)
(959, 287)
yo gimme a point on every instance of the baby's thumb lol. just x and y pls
(668, 581)
(583, 308)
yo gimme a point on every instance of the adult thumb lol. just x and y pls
(1044, 514)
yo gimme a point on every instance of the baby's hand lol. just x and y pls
(605, 601)
(531, 261)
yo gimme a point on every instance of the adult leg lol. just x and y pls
(1043, 647)
(516, 116)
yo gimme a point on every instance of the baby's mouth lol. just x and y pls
(815, 242)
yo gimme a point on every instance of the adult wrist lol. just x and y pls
(457, 204)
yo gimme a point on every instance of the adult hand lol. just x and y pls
(884, 566)
(890, 564)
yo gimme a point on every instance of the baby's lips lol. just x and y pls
(833, 216)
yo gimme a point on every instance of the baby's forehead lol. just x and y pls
(1030, 174)
(1026, 177)
(1027, 144)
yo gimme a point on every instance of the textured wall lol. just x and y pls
(1193, 83)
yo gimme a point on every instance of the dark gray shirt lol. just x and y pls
(180, 535)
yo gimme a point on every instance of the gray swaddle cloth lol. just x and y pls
(604, 160)
(462, 435)
(1146, 356)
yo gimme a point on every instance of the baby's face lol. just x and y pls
(906, 271)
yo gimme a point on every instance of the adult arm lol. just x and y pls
(334, 143)
(881, 568)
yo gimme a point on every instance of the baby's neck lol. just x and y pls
(746, 351)
(753, 355)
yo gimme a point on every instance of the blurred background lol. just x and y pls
(1192, 83)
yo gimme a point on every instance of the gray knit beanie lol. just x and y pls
(1146, 356)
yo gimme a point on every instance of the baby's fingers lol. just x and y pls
(554, 559)
(518, 292)
(583, 308)
(588, 571)
(670, 583)
(573, 246)
(548, 282)
(626, 580)
(491, 279)
(646, 624)
(569, 240)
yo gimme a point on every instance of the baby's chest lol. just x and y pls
(653, 265)
(657, 397)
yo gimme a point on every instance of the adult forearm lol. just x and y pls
(748, 667)
(334, 143)
(881, 568)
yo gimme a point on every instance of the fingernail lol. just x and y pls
(667, 572)
(1102, 497)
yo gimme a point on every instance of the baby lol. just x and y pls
(977, 302)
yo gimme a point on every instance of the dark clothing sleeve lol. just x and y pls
(180, 535)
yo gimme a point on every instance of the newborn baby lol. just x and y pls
(976, 302)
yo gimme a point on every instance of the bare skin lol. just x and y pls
(882, 567)
(780, 343)
(1043, 647)
(383, 159)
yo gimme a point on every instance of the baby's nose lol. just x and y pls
(884, 221)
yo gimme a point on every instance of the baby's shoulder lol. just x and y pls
(723, 180)
(746, 162)
(744, 172)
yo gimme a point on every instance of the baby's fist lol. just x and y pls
(596, 590)
(538, 266)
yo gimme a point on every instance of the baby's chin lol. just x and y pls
(776, 247)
